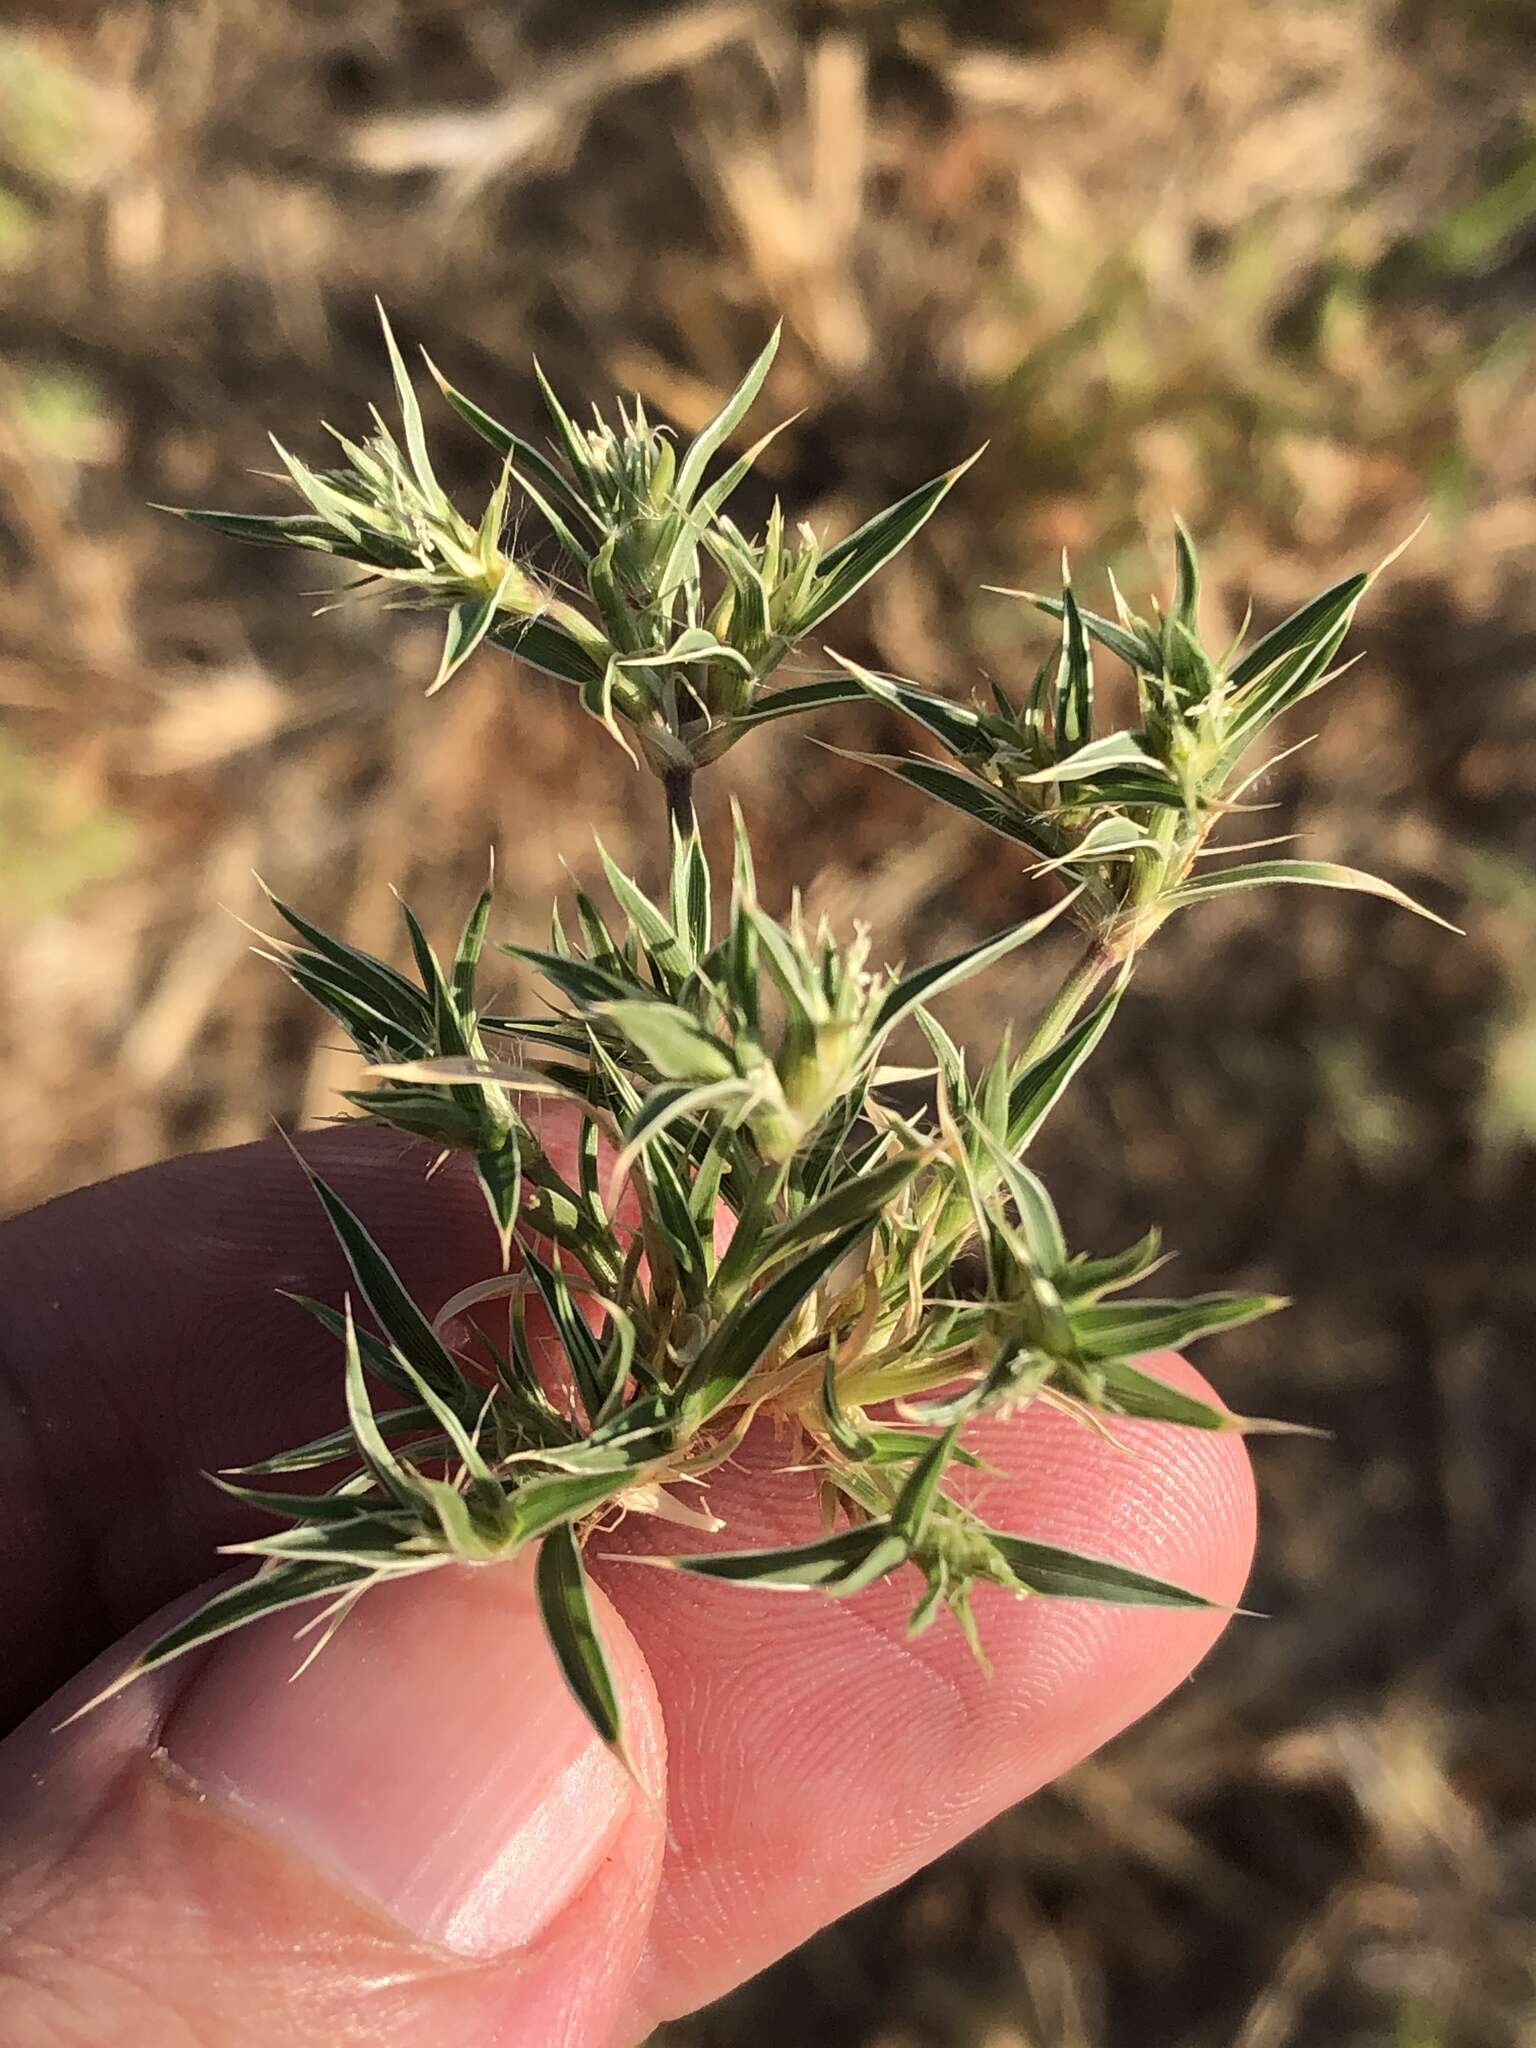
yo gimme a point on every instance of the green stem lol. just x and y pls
(678, 785)
(1152, 862)
(1073, 995)
(1167, 854)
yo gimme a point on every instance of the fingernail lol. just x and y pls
(429, 1758)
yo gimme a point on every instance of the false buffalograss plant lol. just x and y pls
(891, 1269)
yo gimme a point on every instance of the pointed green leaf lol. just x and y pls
(385, 1544)
(1127, 1328)
(675, 1045)
(1291, 679)
(1039, 1085)
(377, 1355)
(951, 1059)
(1114, 750)
(656, 934)
(549, 504)
(565, 1603)
(791, 702)
(959, 726)
(1108, 839)
(546, 645)
(850, 1437)
(585, 985)
(754, 1325)
(1322, 874)
(1037, 1212)
(572, 439)
(286, 1585)
(669, 1104)
(500, 1175)
(920, 1490)
(399, 1317)
(849, 566)
(336, 507)
(1186, 601)
(390, 993)
(1144, 656)
(410, 411)
(892, 1444)
(1127, 1390)
(583, 1352)
(979, 800)
(862, 1200)
(1190, 672)
(1074, 698)
(680, 567)
(461, 1441)
(543, 1504)
(690, 647)
(926, 982)
(709, 439)
(1133, 787)
(376, 1036)
(422, 1112)
(689, 893)
(306, 1507)
(1073, 1575)
(372, 1446)
(466, 958)
(447, 1025)
(285, 530)
(468, 624)
(1303, 628)
(528, 459)
(840, 1564)
(749, 620)
(1085, 1279)
(338, 1443)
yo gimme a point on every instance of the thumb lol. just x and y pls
(416, 1839)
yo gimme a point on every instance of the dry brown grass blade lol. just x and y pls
(468, 148)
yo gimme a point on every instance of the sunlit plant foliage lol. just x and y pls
(889, 1269)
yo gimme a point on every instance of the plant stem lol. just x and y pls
(1073, 994)
(1151, 865)
(678, 784)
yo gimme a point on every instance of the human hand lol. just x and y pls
(418, 1839)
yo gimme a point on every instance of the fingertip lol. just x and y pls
(1171, 1500)
(1211, 1530)
(431, 1757)
(415, 1836)
(882, 1752)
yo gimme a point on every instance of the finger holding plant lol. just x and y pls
(893, 1272)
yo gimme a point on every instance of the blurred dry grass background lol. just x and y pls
(1271, 262)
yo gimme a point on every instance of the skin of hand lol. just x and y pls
(415, 1840)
